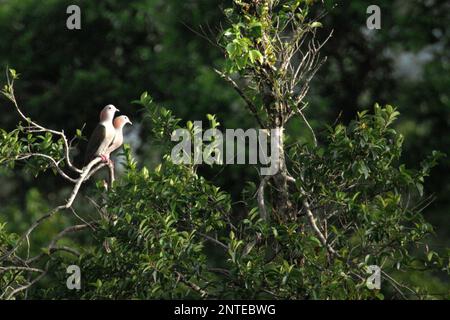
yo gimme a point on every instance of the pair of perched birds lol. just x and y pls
(107, 136)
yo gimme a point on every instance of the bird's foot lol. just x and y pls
(104, 158)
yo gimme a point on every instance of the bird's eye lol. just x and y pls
(109, 108)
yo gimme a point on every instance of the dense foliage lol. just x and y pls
(168, 232)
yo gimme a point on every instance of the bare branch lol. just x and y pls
(52, 246)
(80, 181)
(312, 222)
(312, 219)
(201, 34)
(52, 212)
(94, 171)
(111, 174)
(309, 126)
(34, 126)
(24, 287)
(53, 250)
(5, 269)
(261, 204)
(397, 285)
(251, 106)
(191, 285)
(67, 230)
(52, 161)
(214, 240)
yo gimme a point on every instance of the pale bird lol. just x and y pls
(118, 123)
(102, 136)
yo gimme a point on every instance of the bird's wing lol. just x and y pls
(116, 143)
(95, 143)
(110, 147)
(112, 141)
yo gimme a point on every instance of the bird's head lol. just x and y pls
(108, 112)
(121, 121)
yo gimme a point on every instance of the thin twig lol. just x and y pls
(312, 219)
(52, 212)
(251, 106)
(193, 286)
(261, 204)
(37, 126)
(309, 126)
(214, 240)
(24, 287)
(52, 161)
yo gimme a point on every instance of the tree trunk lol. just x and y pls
(281, 203)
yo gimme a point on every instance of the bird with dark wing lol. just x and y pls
(102, 136)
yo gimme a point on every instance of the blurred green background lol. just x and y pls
(127, 47)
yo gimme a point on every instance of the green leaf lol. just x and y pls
(256, 29)
(315, 240)
(275, 232)
(316, 24)
(255, 55)
(379, 295)
(13, 74)
(362, 169)
(419, 187)
(232, 50)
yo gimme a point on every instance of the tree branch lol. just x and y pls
(213, 240)
(312, 219)
(24, 287)
(191, 285)
(52, 212)
(261, 204)
(308, 125)
(35, 127)
(251, 106)
(52, 161)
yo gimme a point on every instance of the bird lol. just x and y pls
(102, 136)
(118, 124)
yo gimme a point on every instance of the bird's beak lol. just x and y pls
(117, 110)
(131, 123)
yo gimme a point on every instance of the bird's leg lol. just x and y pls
(111, 172)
